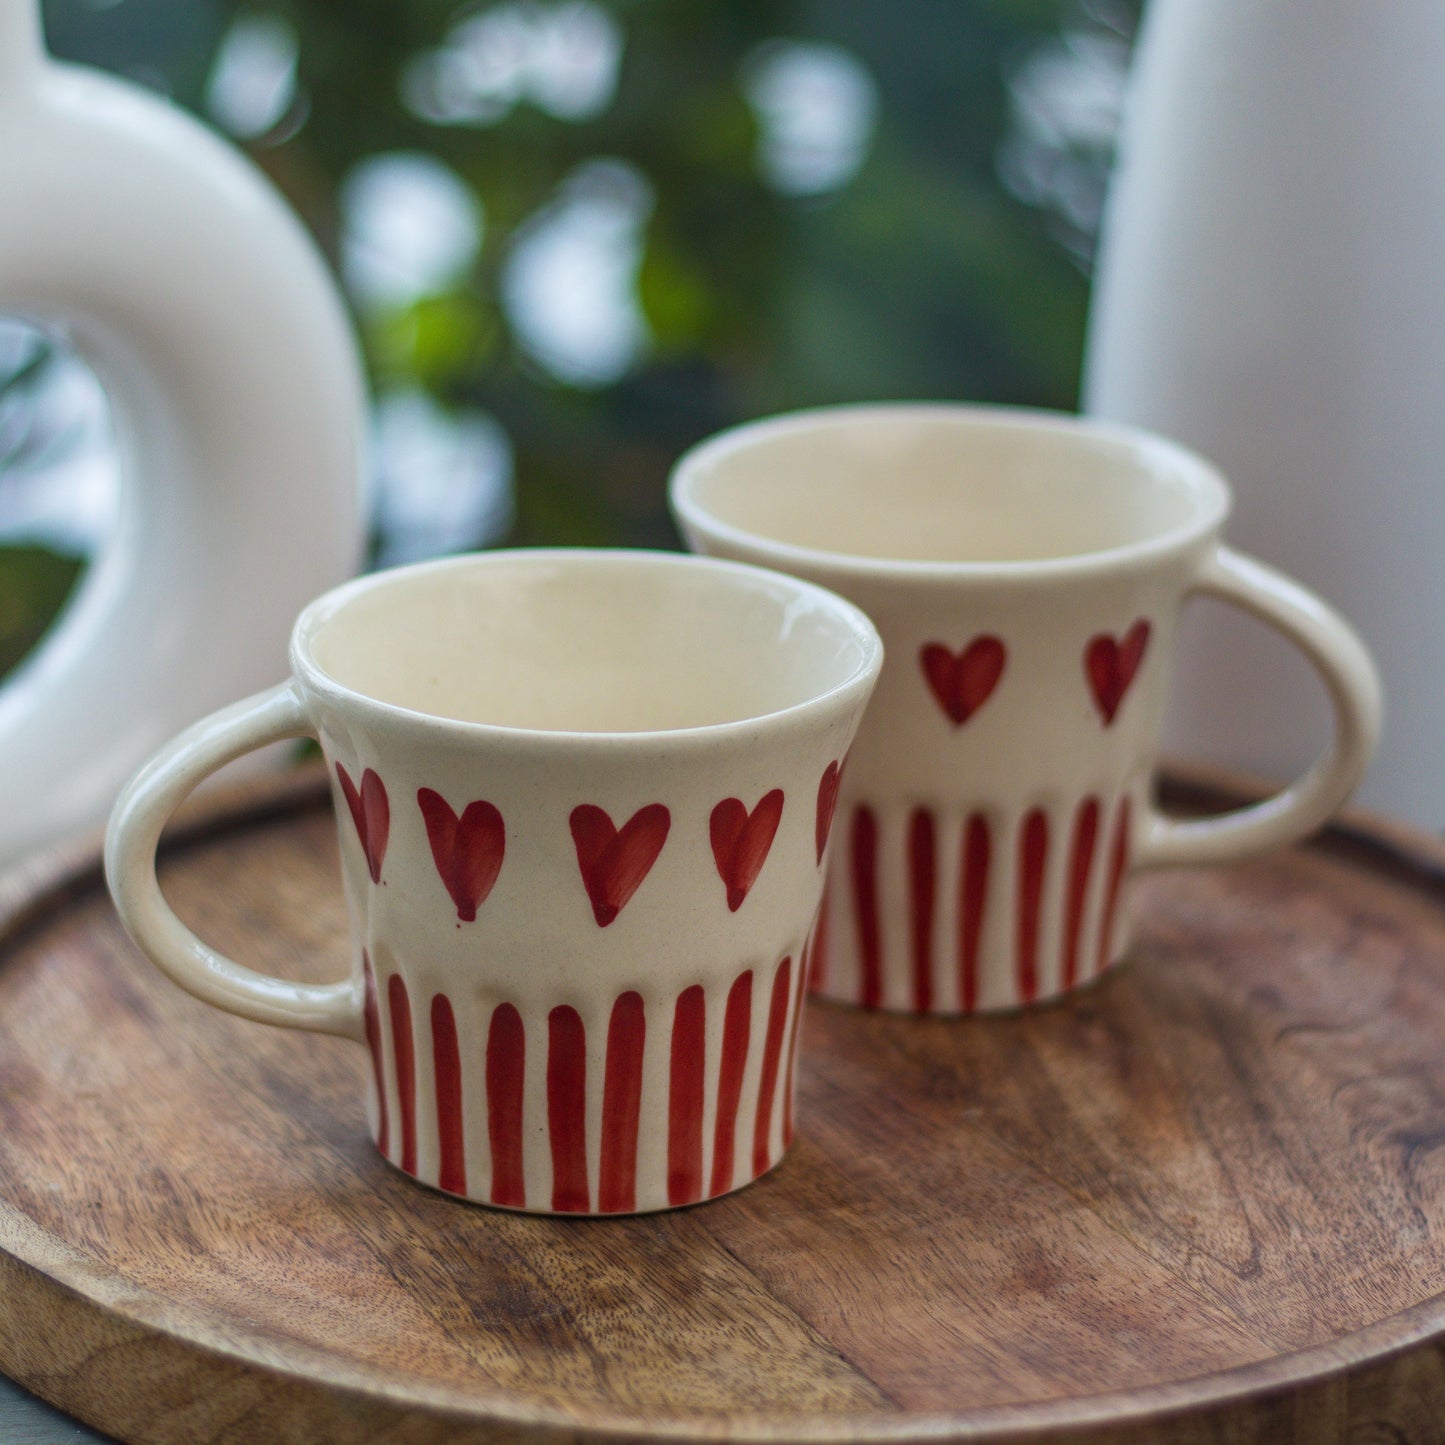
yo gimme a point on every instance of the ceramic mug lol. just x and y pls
(578, 803)
(1026, 571)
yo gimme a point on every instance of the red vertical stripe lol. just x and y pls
(1118, 862)
(621, 1105)
(737, 1025)
(972, 901)
(447, 1063)
(772, 1052)
(865, 905)
(921, 888)
(819, 974)
(506, 1082)
(685, 1097)
(372, 1017)
(800, 994)
(402, 1049)
(567, 1109)
(1033, 854)
(1081, 864)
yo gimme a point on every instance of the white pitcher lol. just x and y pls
(1271, 291)
(171, 266)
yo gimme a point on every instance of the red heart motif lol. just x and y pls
(614, 861)
(468, 850)
(962, 683)
(741, 840)
(827, 800)
(1110, 666)
(371, 813)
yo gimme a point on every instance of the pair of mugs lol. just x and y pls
(585, 798)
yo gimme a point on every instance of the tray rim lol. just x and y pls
(159, 1317)
(99, 1301)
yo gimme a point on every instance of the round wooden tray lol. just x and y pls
(1202, 1201)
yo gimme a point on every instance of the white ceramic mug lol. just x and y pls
(1026, 571)
(577, 795)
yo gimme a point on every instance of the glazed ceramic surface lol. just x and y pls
(171, 265)
(1026, 572)
(583, 807)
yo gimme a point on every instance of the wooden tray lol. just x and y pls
(1204, 1201)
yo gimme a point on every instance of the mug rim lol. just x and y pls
(1211, 491)
(314, 678)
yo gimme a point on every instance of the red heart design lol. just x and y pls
(613, 861)
(371, 813)
(1110, 666)
(828, 786)
(468, 850)
(741, 840)
(963, 683)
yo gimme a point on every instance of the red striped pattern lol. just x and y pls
(1008, 928)
(622, 1104)
(865, 904)
(403, 1052)
(685, 1097)
(972, 900)
(921, 884)
(1081, 864)
(447, 1065)
(567, 1109)
(371, 1016)
(772, 1054)
(737, 1024)
(506, 1074)
(708, 1144)
(1118, 865)
(1033, 858)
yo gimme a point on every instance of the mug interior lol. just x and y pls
(946, 485)
(591, 642)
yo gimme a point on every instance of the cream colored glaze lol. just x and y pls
(585, 645)
(932, 487)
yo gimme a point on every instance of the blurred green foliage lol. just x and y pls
(34, 582)
(921, 276)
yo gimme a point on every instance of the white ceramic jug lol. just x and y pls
(1271, 291)
(168, 262)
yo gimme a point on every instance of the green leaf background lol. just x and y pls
(922, 277)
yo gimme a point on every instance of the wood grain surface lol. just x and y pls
(1201, 1202)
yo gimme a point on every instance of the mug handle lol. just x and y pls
(142, 811)
(1348, 672)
